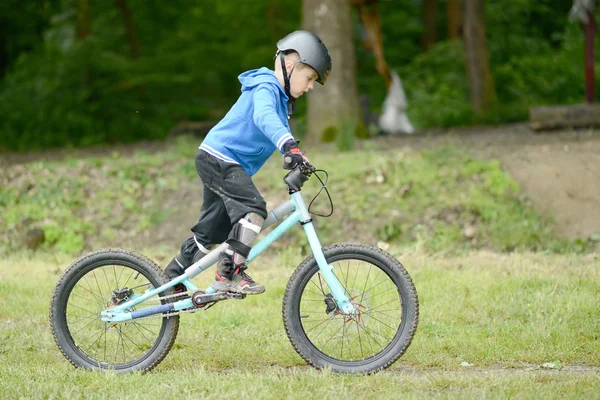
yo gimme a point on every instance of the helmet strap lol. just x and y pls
(286, 84)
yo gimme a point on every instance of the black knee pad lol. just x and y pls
(243, 235)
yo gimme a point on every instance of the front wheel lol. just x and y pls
(382, 326)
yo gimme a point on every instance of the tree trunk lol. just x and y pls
(454, 19)
(477, 62)
(590, 79)
(560, 117)
(132, 37)
(3, 56)
(333, 108)
(369, 17)
(83, 25)
(429, 24)
(83, 28)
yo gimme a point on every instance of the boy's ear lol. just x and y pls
(289, 65)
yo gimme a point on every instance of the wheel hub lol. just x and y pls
(360, 302)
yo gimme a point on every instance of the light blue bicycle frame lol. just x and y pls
(296, 208)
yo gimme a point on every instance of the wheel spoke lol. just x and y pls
(335, 333)
(381, 322)
(83, 342)
(381, 305)
(374, 286)
(322, 330)
(139, 327)
(101, 299)
(368, 335)
(131, 340)
(316, 326)
(387, 315)
(75, 321)
(83, 327)
(362, 354)
(98, 285)
(318, 294)
(84, 309)
(85, 298)
(320, 286)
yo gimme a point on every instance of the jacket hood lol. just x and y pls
(251, 79)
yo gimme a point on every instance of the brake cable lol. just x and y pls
(323, 186)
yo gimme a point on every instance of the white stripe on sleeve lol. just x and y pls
(284, 139)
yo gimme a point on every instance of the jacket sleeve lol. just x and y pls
(266, 118)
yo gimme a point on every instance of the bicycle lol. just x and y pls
(359, 319)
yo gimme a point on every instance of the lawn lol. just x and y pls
(494, 325)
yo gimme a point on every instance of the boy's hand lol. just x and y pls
(292, 155)
(292, 158)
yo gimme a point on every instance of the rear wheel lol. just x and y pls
(385, 318)
(98, 281)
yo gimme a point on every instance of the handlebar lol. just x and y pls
(300, 174)
(295, 180)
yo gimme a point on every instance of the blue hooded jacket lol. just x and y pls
(255, 126)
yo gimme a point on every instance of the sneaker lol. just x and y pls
(240, 282)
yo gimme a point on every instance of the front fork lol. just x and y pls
(337, 290)
(339, 294)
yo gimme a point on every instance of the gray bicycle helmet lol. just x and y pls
(311, 49)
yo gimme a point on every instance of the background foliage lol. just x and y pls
(57, 90)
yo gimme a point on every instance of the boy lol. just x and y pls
(233, 210)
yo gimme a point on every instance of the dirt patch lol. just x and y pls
(496, 371)
(558, 171)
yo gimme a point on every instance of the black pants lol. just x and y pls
(229, 194)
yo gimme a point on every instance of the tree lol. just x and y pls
(333, 108)
(367, 10)
(83, 29)
(477, 59)
(83, 24)
(429, 36)
(132, 36)
(583, 10)
(454, 18)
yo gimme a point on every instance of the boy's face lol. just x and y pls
(303, 80)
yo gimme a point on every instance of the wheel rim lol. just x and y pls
(377, 323)
(103, 344)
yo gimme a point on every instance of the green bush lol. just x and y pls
(436, 87)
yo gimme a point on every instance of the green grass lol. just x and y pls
(504, 315)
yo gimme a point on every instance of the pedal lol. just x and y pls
(235, 296)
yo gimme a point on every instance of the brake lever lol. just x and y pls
(308, 167)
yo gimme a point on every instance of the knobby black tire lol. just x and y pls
(63, 290)
(399, 279)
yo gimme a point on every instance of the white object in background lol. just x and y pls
(580, 9)
(394, 119)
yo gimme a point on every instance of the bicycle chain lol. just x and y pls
(158, 299)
